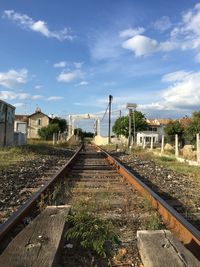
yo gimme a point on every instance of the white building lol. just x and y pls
(155, 130)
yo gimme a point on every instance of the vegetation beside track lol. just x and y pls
(10, 156)
(168, 161)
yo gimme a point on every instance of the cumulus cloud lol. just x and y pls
(183, 92)
(61, 64)
(162, 24)
(141, 45)
(184, 36)
(69, 76)
(12, 78)
(130, 32)
(39, 26)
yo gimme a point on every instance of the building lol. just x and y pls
(36, 121)
(7, 115)
(21, 124)
(155, 130)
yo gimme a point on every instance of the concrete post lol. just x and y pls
(129, 129)
(152, 142)
(198, 148)
(162, 144)
(98, 127)
(144, 142)
(176, 146)
(54, 138)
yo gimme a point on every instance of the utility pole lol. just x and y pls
(109, 119)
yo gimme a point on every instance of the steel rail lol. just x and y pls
(26, 208)
(183, 230)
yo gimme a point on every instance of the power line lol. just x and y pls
(105, 113)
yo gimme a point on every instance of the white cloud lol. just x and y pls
(40, 26)
(191, 19)
(82, 83)
(11, 95)
(131, 32)
(141, 45)
(69, 76)
(184, 36)
(18, 105)
(182, 94)
(34, 97)
(13, 77)
(38, 87)
(162, 24)
(61, 64)
(54, 98)
(176, 76)
(185, 91)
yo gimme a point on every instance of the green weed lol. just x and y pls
(92, 233)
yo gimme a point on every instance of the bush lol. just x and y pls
(46, 133)
(60, 122)
(92, 233)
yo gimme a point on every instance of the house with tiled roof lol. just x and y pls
(36, 121)
(30, 124)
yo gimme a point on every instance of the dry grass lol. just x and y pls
(13, 155)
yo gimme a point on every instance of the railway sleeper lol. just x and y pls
(39, 243)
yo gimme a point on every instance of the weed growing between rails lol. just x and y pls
(92, 233)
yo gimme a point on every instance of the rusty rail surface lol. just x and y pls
(27, 207)
(183, 230)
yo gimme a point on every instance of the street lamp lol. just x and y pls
(130, 107)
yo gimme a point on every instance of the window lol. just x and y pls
(38, 122)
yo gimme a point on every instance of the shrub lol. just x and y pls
(92, 233)
(46, 133)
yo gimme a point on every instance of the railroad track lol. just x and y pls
(94, 183)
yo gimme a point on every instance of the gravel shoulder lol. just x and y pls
(173, 181)
(28, 169)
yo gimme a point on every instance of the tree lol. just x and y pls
(193, 128)
(121, 126)
(47, 132)
(172, 128)
(60, 122)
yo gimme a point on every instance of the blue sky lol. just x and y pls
(68, 56)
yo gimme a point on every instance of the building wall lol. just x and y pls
(36, 122)
(7, 115)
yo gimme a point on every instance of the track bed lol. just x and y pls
(97, 188)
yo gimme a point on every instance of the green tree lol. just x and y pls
(46, 133)
(172, 128)
(193, 128)
(121, 126)
(62, 123)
